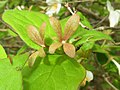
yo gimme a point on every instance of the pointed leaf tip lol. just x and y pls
(69, 49)
(71, 26)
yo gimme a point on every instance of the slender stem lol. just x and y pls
(106, 79)
(70, 10)
(103, 43)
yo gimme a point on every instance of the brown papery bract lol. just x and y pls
(71, 26)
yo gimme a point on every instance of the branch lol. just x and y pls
(73, 12)
(106, 79)
(107, 27)
(88, 12)
(11, 46)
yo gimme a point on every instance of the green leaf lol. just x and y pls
(2, 3)
(3, 33)
(92, 35)
(2, 53)
(84, 20)
(11, 33)
(23, 49)
(10, 78)
(20, 20)
(20, 60)
(56, 72)
(98, 49)
(87, 46)
(10, 74)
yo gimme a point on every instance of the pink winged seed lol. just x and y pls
(69, 49)
(32, 58)
(42, 52)
(34, 35)
(71, 26)
(42, 30)
(57, 27)
(54, 46)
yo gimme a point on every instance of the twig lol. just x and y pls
(107, 27)
(11, 46)
(73, 12)
(66, 5)
(106, 79)
(88, 12)
(3, 30)
(103, 75)
(117, 43)
(101, 21)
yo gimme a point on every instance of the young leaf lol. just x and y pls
(42, 30)
(32, 58)
(62, 73)
(42, 52)
(54, 46)
(25, 18)
(69, 49)
(34, 35)
(71, 26)
(57, 27)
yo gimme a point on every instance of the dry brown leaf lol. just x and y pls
(34, 35)
(69, 49)
(42, 52)
(32, 58)
(56, 26)
(71, 26)
(42, 30)
(54, 46)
